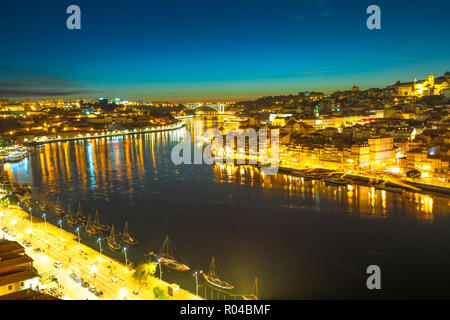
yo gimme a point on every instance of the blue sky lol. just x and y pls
(190, 50)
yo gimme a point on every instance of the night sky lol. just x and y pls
(188, 50)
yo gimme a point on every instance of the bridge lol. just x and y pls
(219, 107)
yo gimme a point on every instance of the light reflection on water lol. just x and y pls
(303, 239)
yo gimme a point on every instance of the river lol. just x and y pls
(302, 239)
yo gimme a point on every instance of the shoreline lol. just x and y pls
(42, 141)
(46, 234)
(381, 183)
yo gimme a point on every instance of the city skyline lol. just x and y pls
(233, 51)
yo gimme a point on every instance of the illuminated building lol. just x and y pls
(420, 88)
(16, 269)
(381, 150)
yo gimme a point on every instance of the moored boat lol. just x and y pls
(43, 206)
(69, 216)
(58, 207)
(89, 227)
(214, 280)
(166, 258)
(127, 238)
(80, 216)
(98, 224)
(112, 242)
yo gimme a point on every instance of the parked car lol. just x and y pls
(92, 289)
(26, 243)
(98, 293)
(58, 264)
(37, 250)
(85, 284)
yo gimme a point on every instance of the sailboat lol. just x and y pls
(112, 242)
(43, 206)
(69, 216)
(127, 238)
(98, 224)
(166, 258)
(58, 207)
(89, 228)
(213, 279)
(80, 215)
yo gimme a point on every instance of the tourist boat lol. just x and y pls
(336, 182)
(58, 207)
(166, 258)
(390, 189)
(127, 238)
(43, 206)
(89, 227)
(69, 216)
(112, 242)
(214, 280)
(28, 202)
(80, 216)
(99, 225)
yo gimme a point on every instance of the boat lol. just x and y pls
(166, 258)
(127, 238)
(69, 216)
(98, 224)
(336, 182)
(43, 206)
(214, 280)
(390, 189)
(112, 242)
(58, 207)
(80, 216)
(89, 227)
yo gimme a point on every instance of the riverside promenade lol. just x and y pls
(106, 274)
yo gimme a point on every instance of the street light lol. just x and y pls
(14, 224)
(60, 227)
(100, 244)
(31, 214)
(78, 232)
(126, 259)
(160, 271)
(196, 283)
(45, 221)
(123, 293)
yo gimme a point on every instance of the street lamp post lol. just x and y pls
(45, 221)
(126, 259)
(60, 227)
(78, 232)
(31, 215)
(196, 283)
(14, 224)
(160, 271)
(100, 244)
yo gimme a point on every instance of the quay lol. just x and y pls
(56, 244)
(46, 139)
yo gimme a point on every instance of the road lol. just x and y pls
(96, 268)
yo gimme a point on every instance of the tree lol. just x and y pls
(145, 270)
(159, 294)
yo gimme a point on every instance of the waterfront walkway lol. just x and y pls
(96, 268)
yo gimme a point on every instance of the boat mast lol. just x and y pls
(126, 228)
